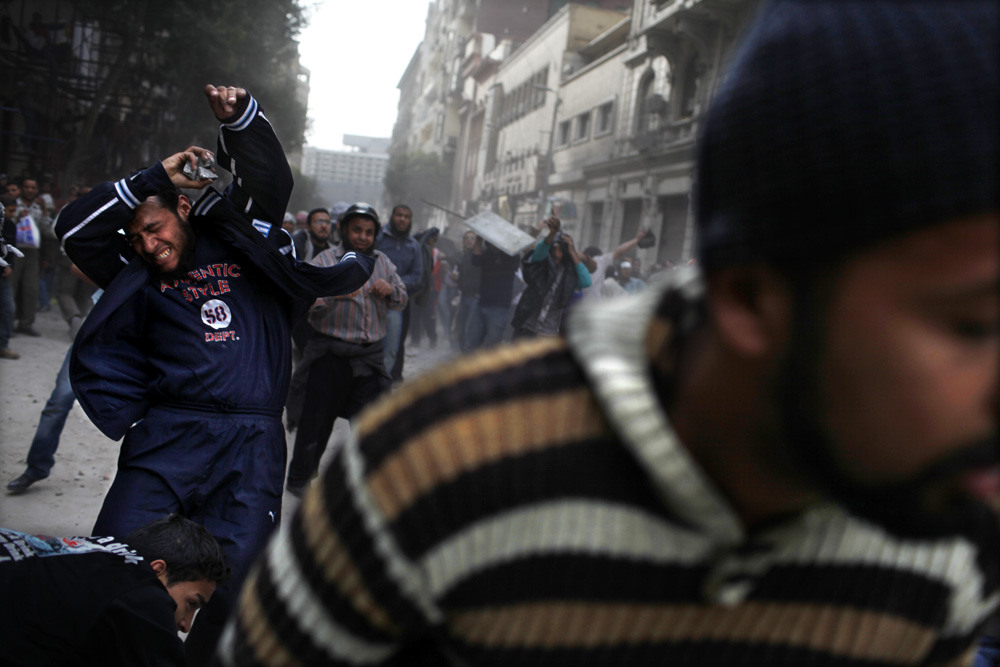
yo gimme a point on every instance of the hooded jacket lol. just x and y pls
(404, 252)
(539, 277)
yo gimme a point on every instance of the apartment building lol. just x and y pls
(348, 175)
(592, 115)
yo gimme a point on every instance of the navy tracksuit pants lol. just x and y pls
(224, 471)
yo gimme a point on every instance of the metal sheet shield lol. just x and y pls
(500, 233)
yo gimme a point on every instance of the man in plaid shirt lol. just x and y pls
(342, 367)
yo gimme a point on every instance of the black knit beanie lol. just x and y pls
(843, 122)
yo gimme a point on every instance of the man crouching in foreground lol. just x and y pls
(101, 601)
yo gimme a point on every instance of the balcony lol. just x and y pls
(477, 49)
(658, 136)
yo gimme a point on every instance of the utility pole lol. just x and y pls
(543, 191)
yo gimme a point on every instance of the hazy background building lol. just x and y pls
(524, 97)
(447, 94)
(349, 175)
(590, 110)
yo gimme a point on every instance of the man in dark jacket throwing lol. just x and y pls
(188, 354)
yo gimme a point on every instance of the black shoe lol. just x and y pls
(21, 484)
(28, 331)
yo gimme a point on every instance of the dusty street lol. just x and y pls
(67, 502)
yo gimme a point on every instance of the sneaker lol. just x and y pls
(7, 353)
(28, 331)
(21, 484)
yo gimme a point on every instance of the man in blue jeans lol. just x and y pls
(41, 456)
(488, 320)
(8, 235)
(468, 278)
(404, 253)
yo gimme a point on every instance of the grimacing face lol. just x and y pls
(157, 235)
(899, 410)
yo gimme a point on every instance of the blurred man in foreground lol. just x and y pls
(788, 457)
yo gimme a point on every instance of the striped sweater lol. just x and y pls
(532, 506)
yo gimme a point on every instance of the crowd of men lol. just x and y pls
(785, 453)
(360, 339)
(42, 271)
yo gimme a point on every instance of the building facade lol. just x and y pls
(348, 176)
(592, 114)
(524, 100)
(675, 60)
(584, 139)
(445, 88)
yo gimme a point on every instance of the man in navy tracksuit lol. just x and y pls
(188, 353)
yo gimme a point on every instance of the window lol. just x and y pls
(602, 124)
(644, 119)
(596, 220)
(562, 136)
(692, 80)
(582, 127)
(539, 88)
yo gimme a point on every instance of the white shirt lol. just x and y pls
(593, 293)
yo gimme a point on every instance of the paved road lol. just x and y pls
(68, 501)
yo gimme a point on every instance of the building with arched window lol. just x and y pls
(623, 152)
(674, 61)
(597, 111)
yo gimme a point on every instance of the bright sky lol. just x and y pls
(356, 53)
